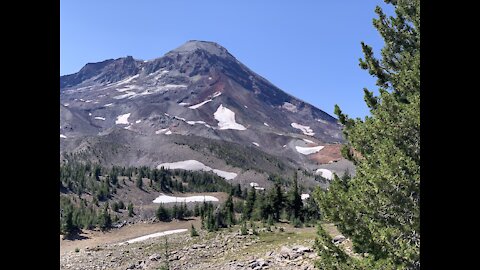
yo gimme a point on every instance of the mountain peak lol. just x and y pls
(209, 46)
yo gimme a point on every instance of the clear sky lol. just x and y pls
(309, 49)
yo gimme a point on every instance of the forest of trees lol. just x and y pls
(77, 212)
(379, 207)
(102, 183)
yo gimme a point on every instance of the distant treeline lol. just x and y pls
(101, 183)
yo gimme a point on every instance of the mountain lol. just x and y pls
(197, 103)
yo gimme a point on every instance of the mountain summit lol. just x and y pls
(207, 46)
(197, 102)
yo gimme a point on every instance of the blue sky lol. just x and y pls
(310, 49)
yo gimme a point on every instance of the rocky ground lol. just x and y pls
(284, 247)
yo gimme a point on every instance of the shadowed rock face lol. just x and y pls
(188, 92)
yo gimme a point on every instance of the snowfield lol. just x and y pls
(305, 196)
(322, 121)
(138, 121)
(194, 165)
(195, 122)
(99, 118)
(128, 94)
(161, 131)
(126, 80)
(308, 150)
(168, 132)
(255, 143)
(153, 235)
(327, 174)
(171, 199)
(63, 136)
(266, 124)
(196, 106)
(256, 186)
(184, 103)
(122, 119)
(305, 129)
(226, 119)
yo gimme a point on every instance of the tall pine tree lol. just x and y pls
(379, 207)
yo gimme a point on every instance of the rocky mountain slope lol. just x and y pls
(197, 102)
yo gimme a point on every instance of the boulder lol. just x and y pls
(338, 239)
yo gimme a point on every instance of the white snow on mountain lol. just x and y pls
(226, 119)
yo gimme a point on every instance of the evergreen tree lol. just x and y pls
(378, 208)
(238, 191)
(249, 203)
(68, 226)
(193, 231)
(130, 210)
(243, 229)
(163, 214)
(259, 210)
(115, 206)
(121, 205)
(105, 221)
(196, 210)
(276, 200)
(139, 182)
(294, 200)
(229, 212)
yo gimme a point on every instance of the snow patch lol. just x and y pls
(168, 132)
(180, 118)
(138, 121)
(196, 106)
(89, 114)
(108, 105)
(128, 94)
(63, 136)
(194, 165)
(255, 143)
(305, 129)
(161, 131)
(195, 122)
(322, 121)
(245, 106)
(126, 80)
(226, 119)
(253, 184)
(66, 104)
(309, 150)
(305, 196)
(308, 141)
(153, 235)
(171, 199)
(266, 124)
(184, 103)
(327, 174)
(216, 94)
(122, 119)
(100, 118)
